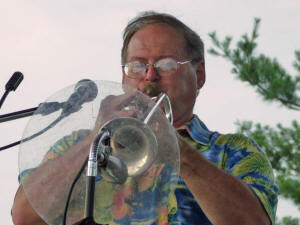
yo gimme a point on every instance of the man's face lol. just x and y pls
(154, 42)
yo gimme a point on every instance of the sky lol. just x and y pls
(59, 42)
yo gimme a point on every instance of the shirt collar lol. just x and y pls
(198, 131)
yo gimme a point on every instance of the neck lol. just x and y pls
(178, 123)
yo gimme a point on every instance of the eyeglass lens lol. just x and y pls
(164, 67)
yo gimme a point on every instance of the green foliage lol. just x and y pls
(273, 83)
(282, 145)
(288, 221)
(266, 75)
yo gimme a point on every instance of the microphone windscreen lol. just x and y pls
(14, 81)
(87, 88)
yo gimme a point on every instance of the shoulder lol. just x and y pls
(241, 153)
(237, 142)
(244, 159)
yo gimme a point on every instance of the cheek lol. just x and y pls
(180, 87)
(182, 92)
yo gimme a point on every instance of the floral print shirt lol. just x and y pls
(235, 154)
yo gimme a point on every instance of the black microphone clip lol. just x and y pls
(47, 108)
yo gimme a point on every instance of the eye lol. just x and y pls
(166, 65)
(136, 67)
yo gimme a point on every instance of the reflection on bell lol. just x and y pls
(134, 143)
(116, 170)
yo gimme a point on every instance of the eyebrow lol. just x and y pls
(137, 58)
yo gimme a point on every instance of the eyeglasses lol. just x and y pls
(164, 67)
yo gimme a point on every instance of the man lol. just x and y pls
(211, 165)
(225, 179)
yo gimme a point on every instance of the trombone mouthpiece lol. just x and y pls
(152, 90)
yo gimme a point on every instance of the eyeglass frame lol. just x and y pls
(155, 68)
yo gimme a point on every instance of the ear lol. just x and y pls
(200, 73)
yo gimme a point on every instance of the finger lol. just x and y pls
(115, 103)
(125, 99)
(125, 113)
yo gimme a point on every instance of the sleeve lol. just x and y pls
(246, 161)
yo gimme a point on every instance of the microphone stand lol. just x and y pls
(45, 108)
(14, 116)
(17, 115)
(91, 174)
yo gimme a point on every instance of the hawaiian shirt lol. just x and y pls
(234, 153)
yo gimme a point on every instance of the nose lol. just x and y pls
(151, 73)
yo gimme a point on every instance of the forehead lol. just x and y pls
(156, 41)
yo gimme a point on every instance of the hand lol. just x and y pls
(113, 107)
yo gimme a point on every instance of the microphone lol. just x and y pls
(12, 85)
(14, 81)
(85, 91)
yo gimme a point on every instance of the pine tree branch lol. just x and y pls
(266, 75)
